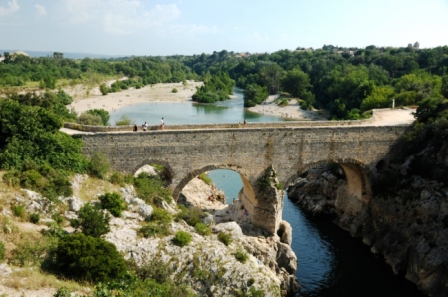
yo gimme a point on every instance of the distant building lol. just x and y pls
(417, 45)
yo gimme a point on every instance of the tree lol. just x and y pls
(255, 94)
(86, 258)
(103, 114)
(112, 202)
(57, 55)
(104, 89)
(270, 76)
(92, 221)
(296, 82)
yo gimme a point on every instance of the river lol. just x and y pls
(331, 262)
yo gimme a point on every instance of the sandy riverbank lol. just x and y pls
(112, 101)
(291, 111)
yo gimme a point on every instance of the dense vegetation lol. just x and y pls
(346, 81)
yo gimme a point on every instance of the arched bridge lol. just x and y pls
(290, 150)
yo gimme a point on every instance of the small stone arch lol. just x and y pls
(168, 171)
(192, 174)
(358, 176)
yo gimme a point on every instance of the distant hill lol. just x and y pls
(75, 56)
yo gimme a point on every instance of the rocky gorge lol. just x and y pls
(406, 220)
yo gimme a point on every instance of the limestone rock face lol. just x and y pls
(410, 228)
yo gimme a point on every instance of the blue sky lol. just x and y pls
(166, 27)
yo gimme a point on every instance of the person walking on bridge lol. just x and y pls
(162, 124)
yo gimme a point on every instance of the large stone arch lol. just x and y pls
(356, 196)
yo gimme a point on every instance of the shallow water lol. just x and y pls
(229, 111)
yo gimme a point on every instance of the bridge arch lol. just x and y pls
(358, 176)
(168, 171)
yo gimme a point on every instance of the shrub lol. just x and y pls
(117, 178)
(202, 229)
(153, 228)
(174, 90)
(2, 251)
(87, 118)
(123, 121)
(112, 202)
(182, 238)
(225, 238)
(99, 165)
(150, 188)
(18, 211)
(62, 292)
(93, 222)
(241, 256)
(34, 218)
(82, 257)
(162, 216)
(31, 253)
(192, 215)
(103, 114)
(57, 218)
(206, 178)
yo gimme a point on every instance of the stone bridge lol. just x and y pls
(291, 151)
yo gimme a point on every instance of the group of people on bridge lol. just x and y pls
(145, 126)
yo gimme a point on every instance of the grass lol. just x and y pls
(91, 186)
(34, 279)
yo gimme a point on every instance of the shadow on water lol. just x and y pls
(331, 262)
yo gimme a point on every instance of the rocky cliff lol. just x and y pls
(406, 220)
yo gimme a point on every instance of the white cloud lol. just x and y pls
(11, 7)
(40, 9)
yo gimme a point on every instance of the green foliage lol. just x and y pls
(31, 133)
(34, 218)
(103, 114)
(191, 215)
(174, 90)
(89, 119)
(18, 211)
(182, 238)
(112, 202)
(206, 178)
(62, 292)
(31, 253)
(241, 256)
(225, 237)
(99, 165)
(202, 229)
(264, 181)
(252, 292)
(93, 222)
(217, 88)
(117, 178)
(2, 251)
(155, 229)
(123, 121)
(151, 189)
(104, 89)
(255, 94)
(87, 258)
(161, 216)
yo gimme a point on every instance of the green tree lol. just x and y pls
(92, 221)
(112, 202)
(104, 89)
(103, 114)
(86, 258)
(255, 94)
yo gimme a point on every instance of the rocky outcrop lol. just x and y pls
(408, 225)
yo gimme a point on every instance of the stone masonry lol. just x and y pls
(290, 150)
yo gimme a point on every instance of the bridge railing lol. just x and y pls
(304, 123)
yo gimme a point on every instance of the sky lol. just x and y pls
(187, 27)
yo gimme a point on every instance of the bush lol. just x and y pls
(117, 178)
(18, 211)
(174, 90)
(192, 215)
(206, 178)
(62, 292)
(123, 121)
(112, 202)
(34, 218)
(154, 228)
(225, 238)
(93, 222)
(202, 229)
(241, 256)
(2, 251)
(57, 218)
(103, 114)
(151, 188)
(99, 165)
(87, 258)
(89, 119)
(31, 253)
(161, 216)
(182, 238)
